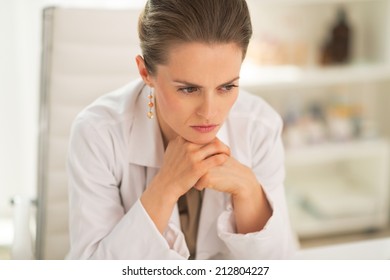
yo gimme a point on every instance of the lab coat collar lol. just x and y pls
(222, 134)
(146, 147)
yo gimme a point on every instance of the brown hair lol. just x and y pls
(164, 23)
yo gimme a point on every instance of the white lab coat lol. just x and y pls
(115, 151)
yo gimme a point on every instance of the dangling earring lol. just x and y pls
(150, 104)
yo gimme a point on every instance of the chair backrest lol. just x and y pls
(85, 53)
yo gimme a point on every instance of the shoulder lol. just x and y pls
(113, 108)
(105, 123)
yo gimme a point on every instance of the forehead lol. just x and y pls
(196, 49)
(201, 62)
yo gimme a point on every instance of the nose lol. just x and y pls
(208, 107)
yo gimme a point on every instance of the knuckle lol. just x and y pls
(220, 159)
(218, 145)
(228, 150)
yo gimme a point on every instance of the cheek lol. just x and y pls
(170, 105)
(230, 102)
(164, 101)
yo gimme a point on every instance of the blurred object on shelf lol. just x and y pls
(343, 118)
(304, 125)
(337, 47)
(335, 118)
(282, 39)
(271, 51)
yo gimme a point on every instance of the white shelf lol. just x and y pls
(376, 249)
(308, 226)
(332, 152)
(307, 223)
(253, 76)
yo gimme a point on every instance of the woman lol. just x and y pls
(180, 164)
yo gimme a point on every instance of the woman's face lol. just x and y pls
(196, 89)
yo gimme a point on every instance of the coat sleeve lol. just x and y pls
(276, 240)
(99, 226)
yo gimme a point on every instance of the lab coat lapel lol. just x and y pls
(146, 146)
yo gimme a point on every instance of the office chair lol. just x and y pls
(85, 53)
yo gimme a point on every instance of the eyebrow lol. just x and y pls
(199, 86)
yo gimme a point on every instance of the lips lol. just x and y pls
(204, 128)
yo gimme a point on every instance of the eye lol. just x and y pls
(228, 88)
(188, 90)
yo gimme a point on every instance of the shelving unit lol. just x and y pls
(331, 152)
(337, 188)
(333, 186)
(255, 77)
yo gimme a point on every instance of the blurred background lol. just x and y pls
(324, 65)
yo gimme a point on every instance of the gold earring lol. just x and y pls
(150, 104)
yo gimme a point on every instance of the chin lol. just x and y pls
(203, 140)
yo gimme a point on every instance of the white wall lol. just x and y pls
(18, 98)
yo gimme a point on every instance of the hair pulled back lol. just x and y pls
(165, 23)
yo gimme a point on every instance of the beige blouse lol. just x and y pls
(189, 210)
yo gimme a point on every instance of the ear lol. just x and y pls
(143, 71)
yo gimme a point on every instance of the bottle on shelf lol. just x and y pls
(336, 49)
(341, 38)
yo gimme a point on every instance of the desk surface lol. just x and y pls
(376, 249)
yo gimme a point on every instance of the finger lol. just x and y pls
(213, 161)
(199, 187)
(213, 148)
(204, 182)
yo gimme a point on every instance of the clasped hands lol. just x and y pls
(188, 165)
